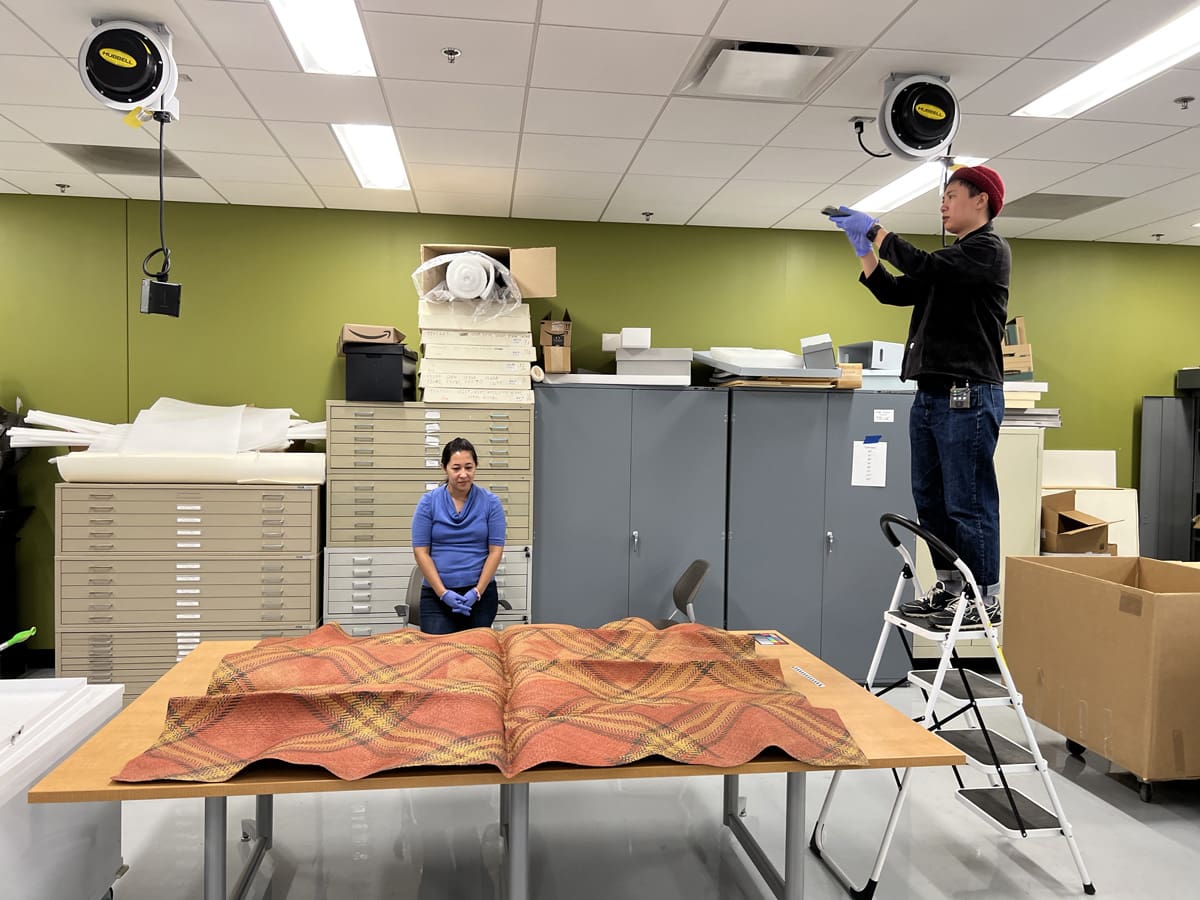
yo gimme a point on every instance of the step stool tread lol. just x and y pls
(982, 687)
(993, 802)
(971, 742)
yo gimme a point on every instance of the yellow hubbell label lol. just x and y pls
(929, 111)
(117, 58)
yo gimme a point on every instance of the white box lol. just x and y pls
(476, 395)
(53, 851)
(477, 351)
(632, 338)
(657, 354)
(817, 352)
(474, 380)
(873, 354)
(610, 342)
(653, 367)
(473, 367)
(473, 336)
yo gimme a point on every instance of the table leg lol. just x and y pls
(730, 804)
(214, 848)
(516, 843)
(794, 849)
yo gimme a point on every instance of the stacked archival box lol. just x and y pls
(470, 358)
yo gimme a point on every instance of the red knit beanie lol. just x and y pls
(987, 180)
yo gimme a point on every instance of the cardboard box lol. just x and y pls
(1067, 530)
(1017, 358)
(535, 269)
(1014, 331)
(556, 359)
(873, 354)
(368, 334)
(555, 332)
(1104, 651)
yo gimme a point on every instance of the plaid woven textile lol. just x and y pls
(513, 700)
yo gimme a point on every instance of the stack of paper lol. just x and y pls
(474, 355)
(1020, 405)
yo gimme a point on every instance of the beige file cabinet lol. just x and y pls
(143, 573)
(382, 458)
(1019, 475)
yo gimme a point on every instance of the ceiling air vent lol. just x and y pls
(764, 71)
(103, 160)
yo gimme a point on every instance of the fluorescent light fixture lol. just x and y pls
(1156, 52)
(373, 152)
(921, 180)
(327, 36)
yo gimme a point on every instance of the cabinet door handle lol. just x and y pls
(636, 538)
(829, 542)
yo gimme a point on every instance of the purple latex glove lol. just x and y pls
(855, 224)
(471, 597)
(457, 603)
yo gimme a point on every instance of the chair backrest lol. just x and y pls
(688, 586)
(413, 596)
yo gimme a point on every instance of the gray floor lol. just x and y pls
(661, 839)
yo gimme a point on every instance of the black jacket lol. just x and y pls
(959, 296)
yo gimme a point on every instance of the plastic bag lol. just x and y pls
(474, 277)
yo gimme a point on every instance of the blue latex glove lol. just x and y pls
(471, 597)
(457, 603)
(855, 224)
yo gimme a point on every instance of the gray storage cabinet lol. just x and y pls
(1169, 483)
(630, 489)
(806, 555)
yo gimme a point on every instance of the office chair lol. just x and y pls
(412, 598)
(684, 593)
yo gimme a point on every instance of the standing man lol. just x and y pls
(959, 296)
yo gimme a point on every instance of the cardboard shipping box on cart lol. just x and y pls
(1067, 530)
(1104, 650)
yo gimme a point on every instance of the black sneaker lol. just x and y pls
(934, 600)
(945, 619)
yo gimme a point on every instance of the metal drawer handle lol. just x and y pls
(186, 604)
(364, 413)
(99, 606)
(272, 534)
(278, 580)
(188, 592)
(364, 462)
(100, 581)
(100, 618)
(188, 507)
(273, 593)
(360, 608)
(364, 500)
(100, 654)
(272, 604)
(364, 537)
(100, 496)
(272, 546)
(272, 521)
(100, 534)
(360, 585)
(498, 428)
(271, 617)
(187, 615)
(105, 639)
(364, 487)
(364, 426)
(100, 593)
(272, 509)
(497, 487)
(499, 415)
(100, 546)
(364, 439)
(359, 573)
(360, 596)
(361, 559)
(272, 496)
(498, 464)
(100, 568)
(100, 521)
(500, 451)
(498, 440)
(271, 568)
(100, 509)
(364, 451)
(364, 512)
(364, 524)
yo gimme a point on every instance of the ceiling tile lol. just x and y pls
(1179, 151)
(1024, 176)
(1013, 226)
(691, 159)
(1076, 140)
(81, 184)
(785, 164)
(362, 198)
(829, 128)
(459, 180)
(104, 127)
(862, 84)
(249, 193)
(590, 114)
(1018, 85)
(574, 208)
(765, 201)
(504, 10)
(411, 47)
(17, 38)
(1153, 101)
(654, 190)
(300, 97)
(211, 92)
(1117, 180)
(629, 209)
(544, 184)
(584, 154)
(450, 204)
(243, 35)
(917, 223)
(1012, 28)
(42, 81)
(673, 16)
(1173, 230)
(65, 24)
(722, 121)
(310, 139)
(22, 156)
(228, 167)
(723, 214)
(822, 21)
(218, 135)
(1110, 28)
(427, 104)
(176, 190)
(806, 220)
(988, 136)
(458, 148)
(327, 172)
(9, 131)
(7, 187)
(874, 173)
(592, 59)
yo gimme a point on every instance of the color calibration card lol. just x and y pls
(766, 637)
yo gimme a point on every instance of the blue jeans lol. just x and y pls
(954, 477)
(437, 618)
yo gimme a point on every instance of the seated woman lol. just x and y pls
(457, 539)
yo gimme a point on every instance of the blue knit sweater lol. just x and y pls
(458, 542)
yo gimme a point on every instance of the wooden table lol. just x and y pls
(888, 738)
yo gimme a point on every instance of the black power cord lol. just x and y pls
(162, 117)
(858, 130)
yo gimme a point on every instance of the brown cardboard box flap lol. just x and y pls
(1067, 530)
(368, 334)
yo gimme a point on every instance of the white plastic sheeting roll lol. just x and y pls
(471, 276)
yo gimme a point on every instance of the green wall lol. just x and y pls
(265, 291)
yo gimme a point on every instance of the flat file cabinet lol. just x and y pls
(382, 457)
(144, 572)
